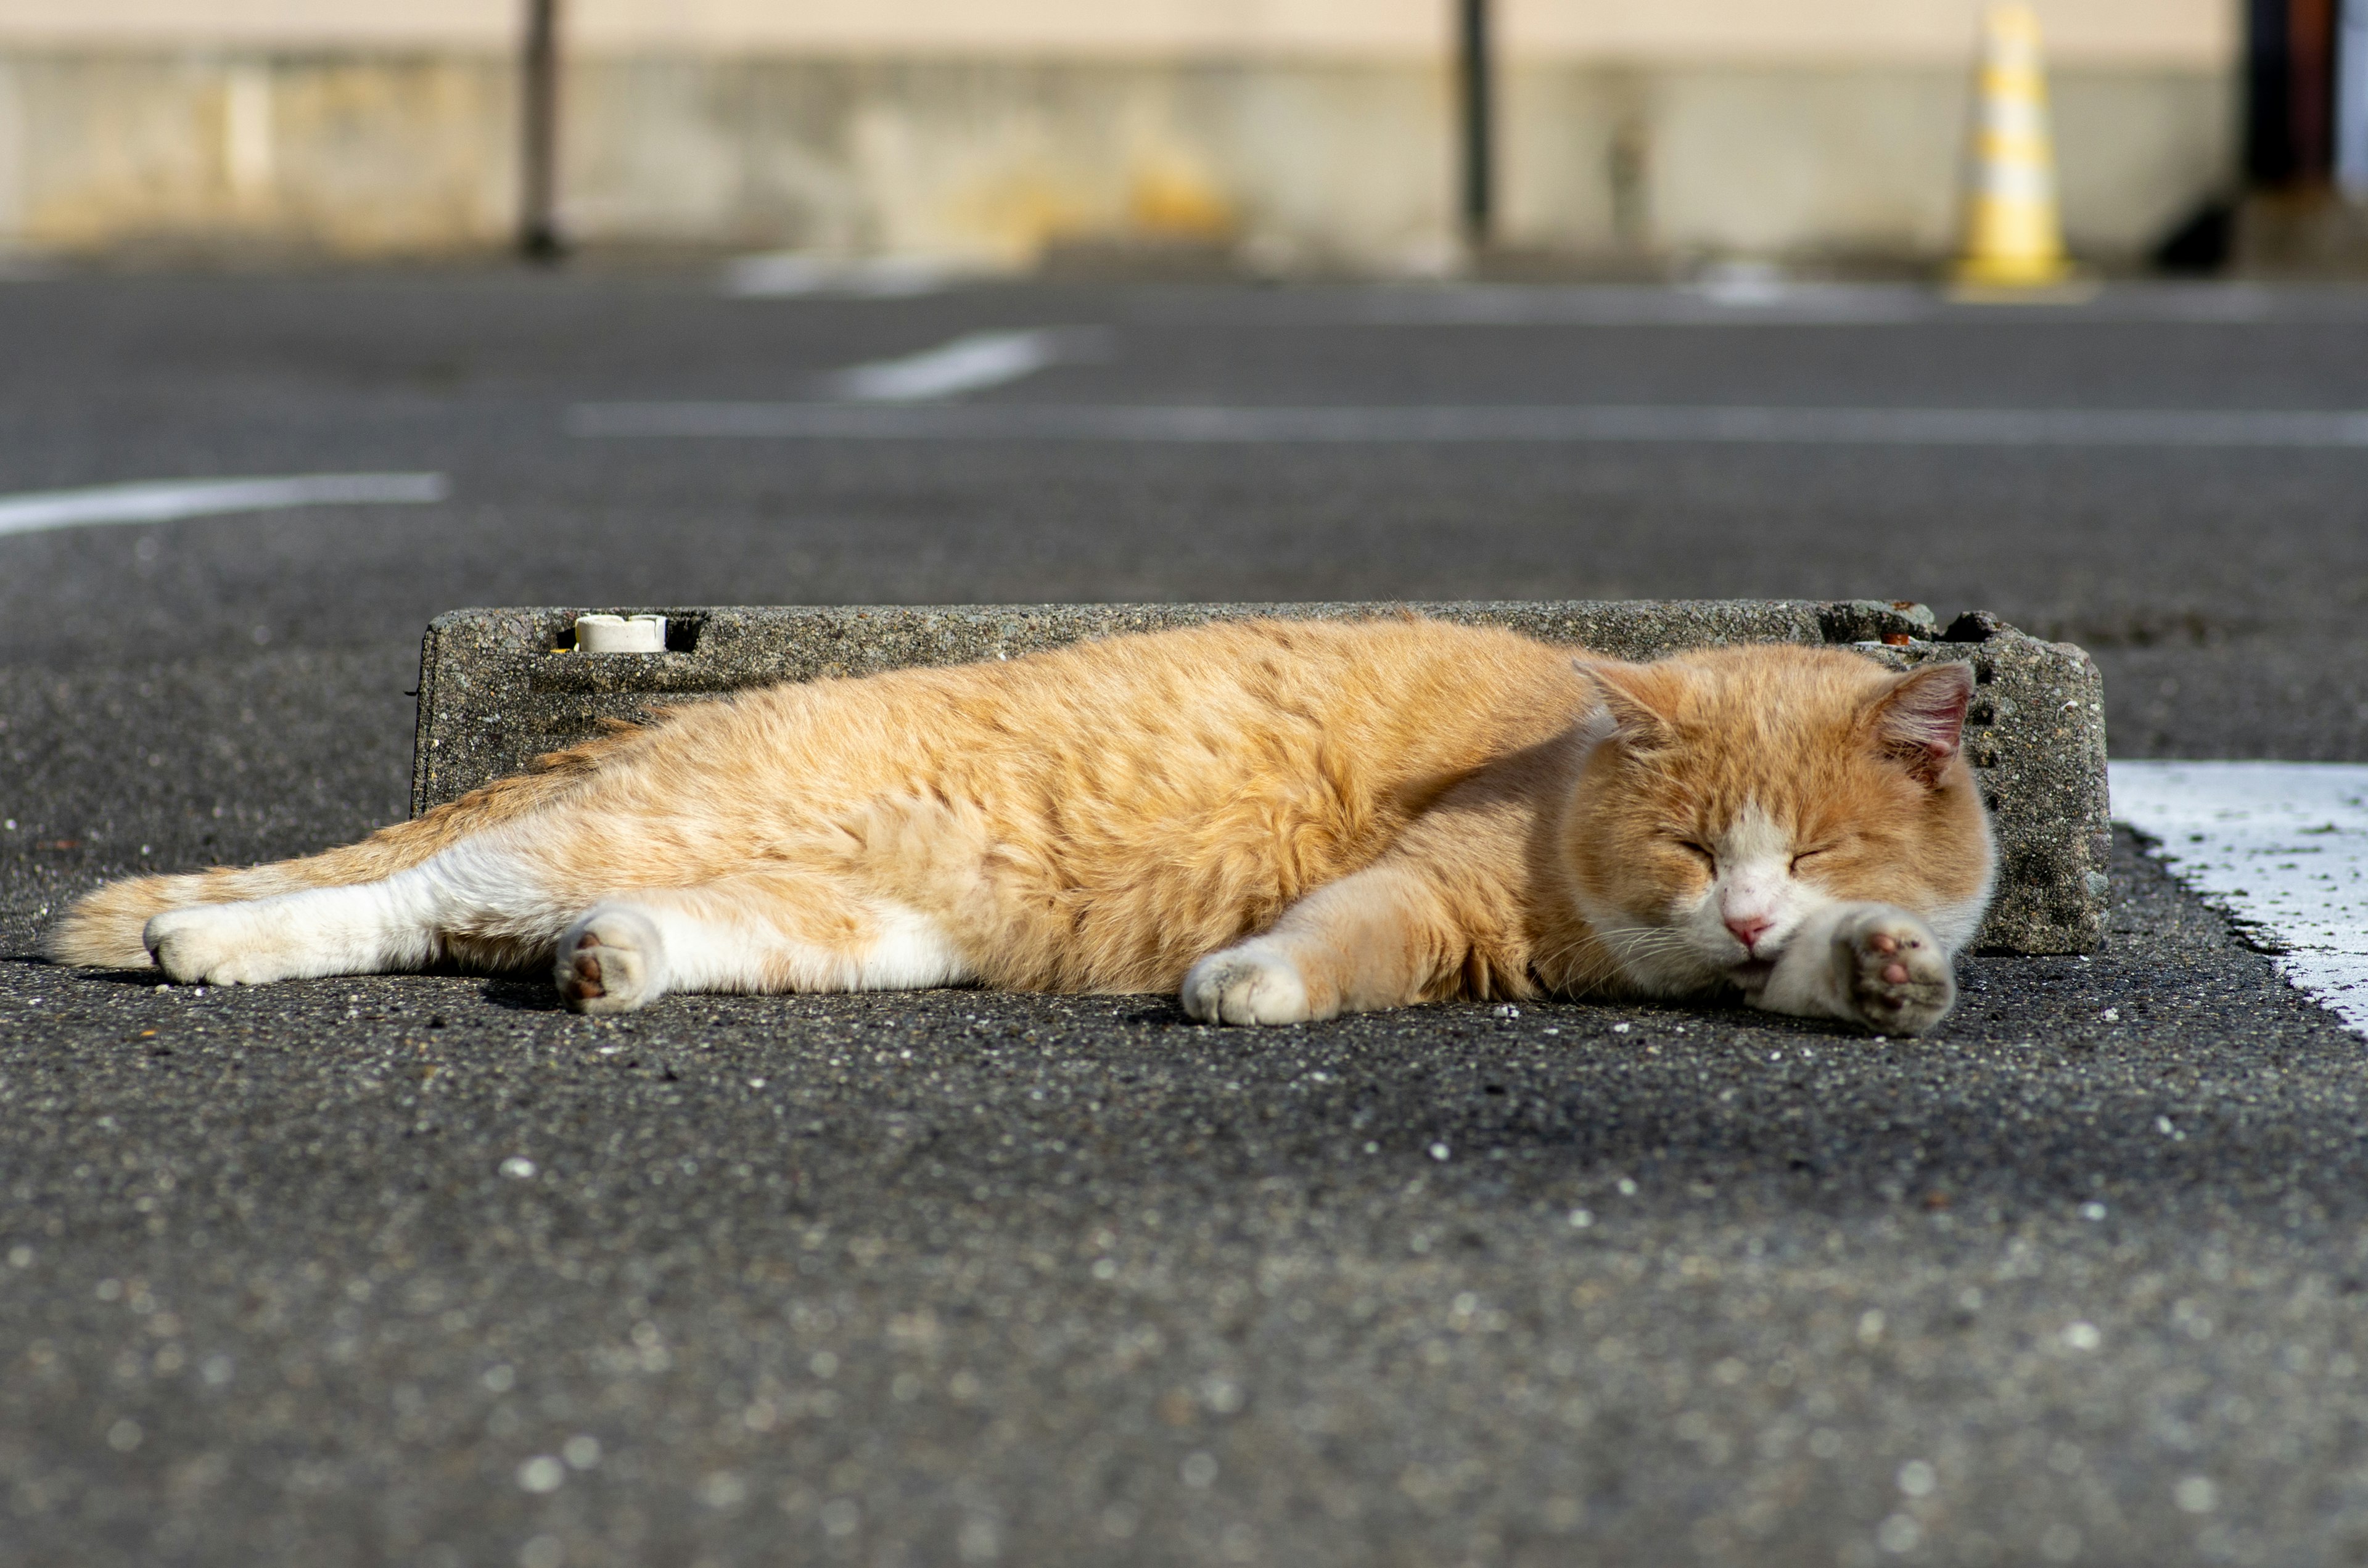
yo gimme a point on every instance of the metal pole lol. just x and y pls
(2310, 105)
(1473, 76)
(2352, 101)
(539, 236)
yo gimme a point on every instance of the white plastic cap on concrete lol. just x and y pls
(620, 634)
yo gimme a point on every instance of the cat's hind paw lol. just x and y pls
(608, 962)
(1253, 984)
(1894, 972)
(213, 944)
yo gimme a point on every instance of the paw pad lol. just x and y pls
(1897, 978)
(609, 964)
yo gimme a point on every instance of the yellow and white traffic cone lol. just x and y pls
(2013, 237)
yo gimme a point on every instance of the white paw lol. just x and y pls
(211, 944)
(1248, 985)
(1893, 972)
(609, 961)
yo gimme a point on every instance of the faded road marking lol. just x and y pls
(970, 363)
(1578, 424)
(796, 275)
(2283, 846)
(165, 501)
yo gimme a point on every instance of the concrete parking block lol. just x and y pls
(498, 688)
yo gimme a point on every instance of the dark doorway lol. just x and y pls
(2290, 91)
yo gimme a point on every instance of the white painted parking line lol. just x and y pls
(1743, 299)
(1721, 301)
(1584, 423)
(1729, 299)
(2283, 846)
(165, 501)
(795, 275)
(970, 363)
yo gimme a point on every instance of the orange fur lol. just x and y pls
(1103, 817)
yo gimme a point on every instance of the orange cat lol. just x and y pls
(1286, 820)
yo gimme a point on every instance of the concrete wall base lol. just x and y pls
(2302, 234)
(1279, 166)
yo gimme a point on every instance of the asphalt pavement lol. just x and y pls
(422, 1270)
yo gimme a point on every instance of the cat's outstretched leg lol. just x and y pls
(1871, 964)
(478, 901)
(1379, 939)
(359, 930)
(760, 933)
(108, 928)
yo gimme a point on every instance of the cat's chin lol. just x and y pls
(1750, 977)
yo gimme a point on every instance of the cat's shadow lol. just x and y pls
(141, 978)
(518, 993)
(513, 993)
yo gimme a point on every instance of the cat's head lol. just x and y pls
(1728, 795)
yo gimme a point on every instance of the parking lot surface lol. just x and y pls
(420, 1270)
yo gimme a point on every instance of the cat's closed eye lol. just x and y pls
(1811, 854)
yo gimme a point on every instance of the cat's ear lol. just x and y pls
(1920, 721)
(1626, 695)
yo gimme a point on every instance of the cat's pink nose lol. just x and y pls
(1748, 928)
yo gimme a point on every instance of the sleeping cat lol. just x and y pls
(1285, 820)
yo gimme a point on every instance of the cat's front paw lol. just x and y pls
(608, 962)
(1254, 983)
(1893, 972)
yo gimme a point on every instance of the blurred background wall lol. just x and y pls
(1281, 134)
